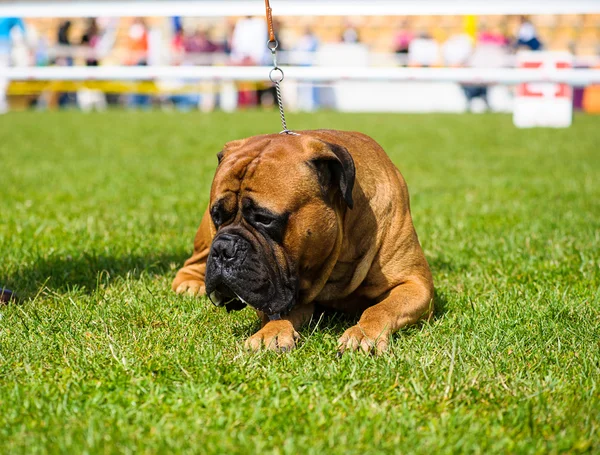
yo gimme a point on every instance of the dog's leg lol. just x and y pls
(406, 304)
(280, 335)
(190, 278)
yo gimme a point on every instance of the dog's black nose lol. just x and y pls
(226, 248)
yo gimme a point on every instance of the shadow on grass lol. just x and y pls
(441, 304)
(336, 322)
(86, 272)
(443, 266)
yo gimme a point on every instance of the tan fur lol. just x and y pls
(365, 260)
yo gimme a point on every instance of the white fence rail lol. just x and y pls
(574, 77)
(221, 8)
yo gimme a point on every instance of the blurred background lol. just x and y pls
(381, 56)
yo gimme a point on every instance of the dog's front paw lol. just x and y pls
(190, 287)
(278, 336)
(365, 337)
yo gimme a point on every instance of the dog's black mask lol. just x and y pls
(242, 268)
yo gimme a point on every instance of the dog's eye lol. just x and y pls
(263, 219)
(219, 215)
(270, 224)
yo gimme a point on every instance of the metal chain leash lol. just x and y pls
(276, 74)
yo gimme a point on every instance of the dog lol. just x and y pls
(319, 217)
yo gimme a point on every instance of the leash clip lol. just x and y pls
(276, 71)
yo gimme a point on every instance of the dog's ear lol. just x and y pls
(231, 145)
(335, 166)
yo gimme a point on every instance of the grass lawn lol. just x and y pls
(98, 211)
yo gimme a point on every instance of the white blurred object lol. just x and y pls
(290, 92)
(544, 104)
(305, 94)
(500, 98)
(526, 31)
(20, 49)
(89, 100)
(3, 88)
(342, 55)
(457, 50)
(5, 56)
(108, 36)
(334, 56)
(423, 52)
(488, 56)
(352, 96)
(478, 106)
(228, 97)
(249, 40)
(350, 35)
(208, 100)
(156, 47)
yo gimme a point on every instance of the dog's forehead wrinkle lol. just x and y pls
(245, 159)
(244, 168)
(221, 200)
(251, 168)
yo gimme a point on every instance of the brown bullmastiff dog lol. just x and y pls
(322, 217)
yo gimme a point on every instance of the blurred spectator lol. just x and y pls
(228, 38)
(490, 52)
(177, 48)
(248, 44)
(402, 41)
(155, 55)
(7, 24)
(137, 46)
(306, 47)
(64, 57)
(185, 52)
(527, 35)
(199, 43)
(137, 43)
(108, 35)
(63, 39)
(491, 37)
(457, 49)
(249, 47)
(350, 34)
(177, 24)
(90, 39)
(41, 52)
(423, 51)
(108, 27)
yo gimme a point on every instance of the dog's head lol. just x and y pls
(276, 206)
